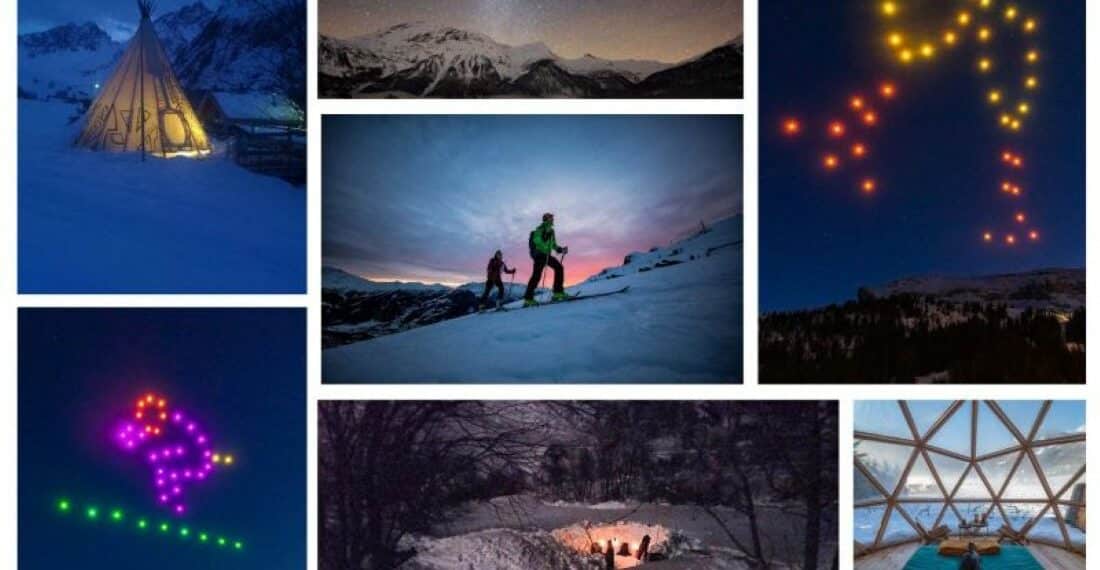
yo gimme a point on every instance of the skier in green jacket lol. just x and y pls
(542, 244)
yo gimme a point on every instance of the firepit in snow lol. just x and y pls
(628, 541)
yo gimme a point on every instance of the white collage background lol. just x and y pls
(846, 394)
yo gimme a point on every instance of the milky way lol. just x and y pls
(661, 30)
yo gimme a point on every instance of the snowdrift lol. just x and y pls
(496, 549)
(679, 322)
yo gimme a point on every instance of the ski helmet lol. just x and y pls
(498, 254)
(547, 217)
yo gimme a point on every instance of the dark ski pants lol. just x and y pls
(541, 261)
(493, 281)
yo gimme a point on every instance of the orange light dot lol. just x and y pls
(985, 34)
(1016, 191)
(149, 398)
(987, 237)
(985, 64)
(836, 129)
(156, 431)
(887, 90)
(831, 162)
(905, 55)
(1006, 187)
(1010, 239)
(868, 186)
(792, 127)
(141, 403)
(859, 150)
(1030, 25)
(889, 8)
(1017, 162)
(1006, 156)
(950, 37)
(927, 50)
(856, 102)
(1011, 12)
(1032, 56)
(1031, 82)
(1033, 235)
(895, 39)
(160, 404)
(870, 118)
(963, 18)
(994, 96)
(1020, 217)
(148, 429)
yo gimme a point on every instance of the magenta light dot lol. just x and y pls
(160, 471)
(152, 457)
(202, 439)
(160, 482)
(164, 498)
(141, 435)
(177, 416)
(206, 453)
(201, 475)
(208, 467)
(179, 509)
(130, 428)
(176, 490)
(190, 427)
(130, 444)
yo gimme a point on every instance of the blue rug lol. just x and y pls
(1012, 557)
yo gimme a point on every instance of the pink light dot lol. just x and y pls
(175, 475)
(175, 490)
(208, 467)
(206, 453)
(187, 474)
(202, 439)
(201, 475)
(164, 498)
(160, 482)
(130, 428)
(190, 427)
(177, 416)
(141, 435)
(179, 509)
(160, 471)
(152, 457)
(130, 444)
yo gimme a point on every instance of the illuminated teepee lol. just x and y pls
(142, 108)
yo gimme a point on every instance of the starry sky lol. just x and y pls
(661, 30)
(240, 372)
(935, 154)
(119, 18)
(430, 198)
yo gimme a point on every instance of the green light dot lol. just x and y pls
(203, 537)
(116, 515)
(92, 512)
(185, 532)
(221, 541)
(164, 527)
(238, 545)
(64, 505)
(142, 524)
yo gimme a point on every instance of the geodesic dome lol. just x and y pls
(1016, 464)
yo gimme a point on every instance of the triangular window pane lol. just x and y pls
(926, 412)
(955, 434)
(996, 469)
(972, 513)
(1065, 417)
(992, 433)
(1060, 463)
(948, 468)
(885, 461)
(898, 529)
(1047, 529)
(1024, 483)
(866, 523)
(973, 488)
(1022, 413)
(924, 513)
(881, 417)
(864, 490)
(920, 484)
(1019, 514)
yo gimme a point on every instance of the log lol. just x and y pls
(643, 549)
(609, 556)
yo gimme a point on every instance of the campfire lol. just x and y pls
(629, 544)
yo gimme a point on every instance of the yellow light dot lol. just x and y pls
(1015, 125)
(985, 34)
(1011, 13)
(994, 96)
(229, 460)
(889, 8)
(985, 64)
(985, 3)
(1023, 108)
(949, 38)
(963, 18)
(1031, 82)
(1006, 120)
(895, 39)
(927, 51)
(905, 56)
(217, 458)
(1032, 56)
(1030, 25)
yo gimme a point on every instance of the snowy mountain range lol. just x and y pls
(424, 60)
(679, 321)
(1021, 327)
(243, 45)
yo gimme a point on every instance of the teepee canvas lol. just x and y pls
(142, 108)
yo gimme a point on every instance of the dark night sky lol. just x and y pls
(661, 30)
(240, 372)
(934, 156)
(431, 198)
(119, 18)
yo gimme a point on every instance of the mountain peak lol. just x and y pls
(67, 37)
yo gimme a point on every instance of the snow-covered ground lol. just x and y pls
(680, 321)
(96, 222)
(523, 533)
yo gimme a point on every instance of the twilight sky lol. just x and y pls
(663, 30)
(119, 18)
(935, 153)
(430, 198)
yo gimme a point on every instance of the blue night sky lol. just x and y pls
(429, 199)
(934, 155)
(119, 18)
(241, 373)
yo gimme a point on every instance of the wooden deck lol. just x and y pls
(895, 557)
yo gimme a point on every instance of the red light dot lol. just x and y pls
(859, 150)
(791, 127)
(1033, 235)
(831, 162)
(870, 118)
(887, 90)
(1020, 217)
(856, 103)
(1010, 239)
(1017, 162)
(868, 185)
(836, 129)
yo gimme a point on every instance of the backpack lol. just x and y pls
(531, 244)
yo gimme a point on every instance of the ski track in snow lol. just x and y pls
(96, 222)
(677, 323)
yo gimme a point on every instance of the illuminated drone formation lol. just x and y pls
(173, 445)
(117, 517)
(977, 23)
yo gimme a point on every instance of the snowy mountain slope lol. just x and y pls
(420, 59)
(679, 322)
(66, 62)
(339, 280)
(178, 29)
(107, 222)
(1044, 289)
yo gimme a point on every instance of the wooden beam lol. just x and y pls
(948, 452)
(973, 429)
(1039, 417)
(883, 438)
(909, 420)
(1006, 421)
(946, 415)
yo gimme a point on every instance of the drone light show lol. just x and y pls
(124, 519)
(1000, 38)
(174, 446)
